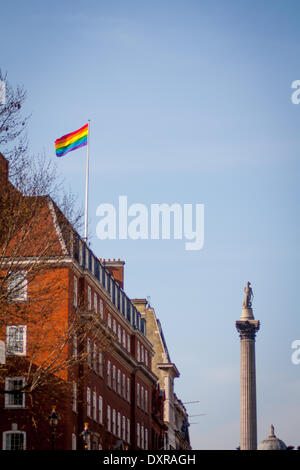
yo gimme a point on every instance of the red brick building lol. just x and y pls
(73, 339)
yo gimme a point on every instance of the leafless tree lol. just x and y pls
(33, 205)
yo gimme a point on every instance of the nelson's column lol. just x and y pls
(247, 327)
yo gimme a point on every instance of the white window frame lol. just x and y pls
(142, 436)
(88, 352)
(124, 304)
(75, 346)
(6, 433)
(18, 281)
(93, 265)
(119, 382)
(142, 354)
(89, 298)
(101, 308)
(138, 395)
(123, 428)
(138, 442)
(74, 397)
(121, 301)
(95, 357)
(9, 396)
(116, 294)
(119, 425)
(142, 397)
(17, 351)
(94, 406)
(74, 442)
(75, 296)
(146, 401)
(128, 390)
(128, 343)
(108, 417)
(88, 402)
(114, 378)
(100, 409)
(114, 423)
(124, 386)
(138, 352)
(95, 302)
(109, 373)
(128, 431)
(100, 364)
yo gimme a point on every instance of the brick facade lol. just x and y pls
(82, 347)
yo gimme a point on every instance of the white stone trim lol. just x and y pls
(57, 227)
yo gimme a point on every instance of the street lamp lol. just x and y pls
(53, 420)
(86, 434)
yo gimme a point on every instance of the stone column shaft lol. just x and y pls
(248, 425)
(248, 395)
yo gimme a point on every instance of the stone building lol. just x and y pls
(177, 435)
(272, 442)
(182, 436)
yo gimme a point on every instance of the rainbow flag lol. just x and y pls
(72, 141)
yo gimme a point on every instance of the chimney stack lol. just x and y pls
(116, 268)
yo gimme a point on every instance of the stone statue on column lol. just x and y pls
(248, 296)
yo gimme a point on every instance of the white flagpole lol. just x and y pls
(87, 187)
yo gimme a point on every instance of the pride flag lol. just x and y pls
(72, 141)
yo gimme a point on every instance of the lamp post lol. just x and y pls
(53, 420)
(86, 434)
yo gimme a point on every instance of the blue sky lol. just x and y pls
(189, 102)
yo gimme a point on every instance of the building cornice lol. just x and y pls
(170, 366)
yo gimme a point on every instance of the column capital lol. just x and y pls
(247, 329)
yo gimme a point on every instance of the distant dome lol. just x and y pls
(272, 442)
